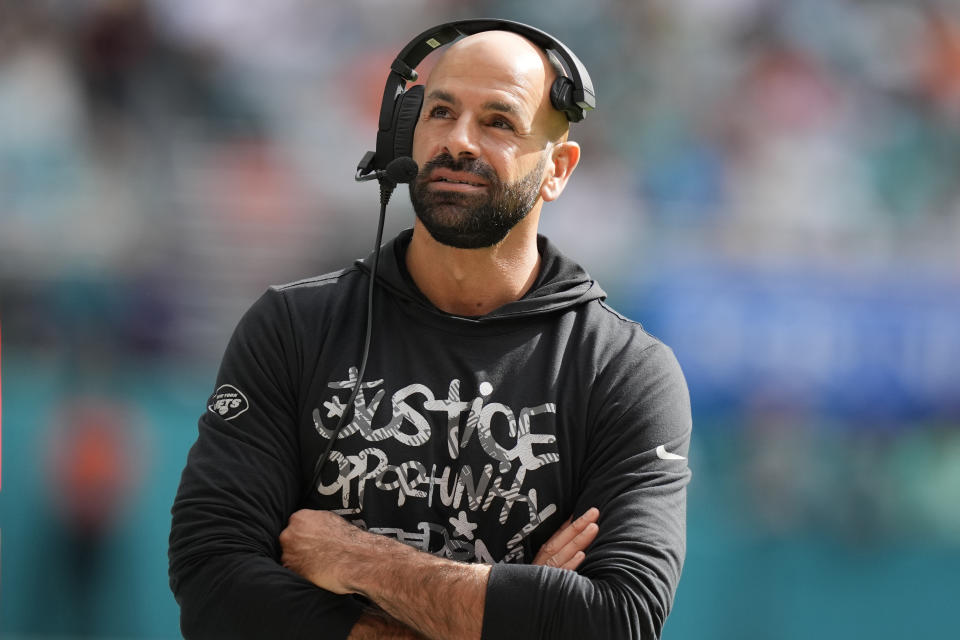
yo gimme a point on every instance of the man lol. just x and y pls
(517, 399)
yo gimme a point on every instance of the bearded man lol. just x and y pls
(515, 465)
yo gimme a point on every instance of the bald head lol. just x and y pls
(505, 58)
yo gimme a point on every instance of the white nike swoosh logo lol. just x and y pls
(663, 454)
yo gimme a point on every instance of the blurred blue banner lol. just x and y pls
(877, 347)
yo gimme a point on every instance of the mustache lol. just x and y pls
(473, 166)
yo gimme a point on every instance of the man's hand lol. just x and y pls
(565, 548)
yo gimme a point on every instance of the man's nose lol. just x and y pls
(462, 139)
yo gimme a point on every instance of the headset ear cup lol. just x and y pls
(561, 97)
(407, 114)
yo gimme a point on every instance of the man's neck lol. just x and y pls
(474, 282)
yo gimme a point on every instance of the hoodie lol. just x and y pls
(472, 438)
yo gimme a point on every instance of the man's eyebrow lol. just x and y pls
(441, 95)
(503, 107)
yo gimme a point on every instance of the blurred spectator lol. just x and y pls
(93, 469)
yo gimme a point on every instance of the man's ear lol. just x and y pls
(564, 157)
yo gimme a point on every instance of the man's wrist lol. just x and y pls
(405, 582)
(376, 556)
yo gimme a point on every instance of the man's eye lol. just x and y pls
(440, 112)
(501, 123)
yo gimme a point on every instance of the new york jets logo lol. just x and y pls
(228, 402)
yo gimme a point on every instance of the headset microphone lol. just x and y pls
(399, 171)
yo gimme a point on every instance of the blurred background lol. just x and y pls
(770, 186)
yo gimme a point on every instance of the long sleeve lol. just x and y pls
(241, 482)
(636, 474)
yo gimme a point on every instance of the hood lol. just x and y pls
(560, 284)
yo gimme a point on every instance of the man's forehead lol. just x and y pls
(489, 51)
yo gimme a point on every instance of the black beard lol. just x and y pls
(473, 221)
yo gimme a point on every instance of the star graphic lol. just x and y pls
(462, 526)
(334, 407)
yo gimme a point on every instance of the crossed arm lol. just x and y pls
(404, 583)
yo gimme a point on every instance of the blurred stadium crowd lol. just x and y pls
(771, 186)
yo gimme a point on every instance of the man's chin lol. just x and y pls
(449, 216)
(459, 239)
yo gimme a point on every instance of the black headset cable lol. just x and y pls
(399, 170)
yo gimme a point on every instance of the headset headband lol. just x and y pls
(421, 46)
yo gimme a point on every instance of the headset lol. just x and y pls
(400, 109)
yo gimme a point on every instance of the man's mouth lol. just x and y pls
(447, 179)
(475, 184)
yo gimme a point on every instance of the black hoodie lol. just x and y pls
(472, 438)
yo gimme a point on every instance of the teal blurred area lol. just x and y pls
(770, 186)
